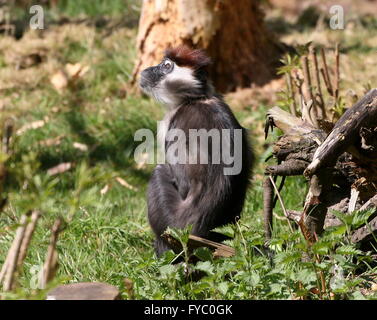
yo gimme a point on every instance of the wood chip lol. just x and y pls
(125, 184)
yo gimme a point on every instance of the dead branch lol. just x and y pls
(337, 75)
(7, 134)
(366, 232)
(319, 95)
(325, 72)
(315, 208)
(35, 215)
(51, 262)
(291, 167)
(10, 265)
(291, 93)
(294, 215)
(194, 242)
(346, 133)
(309, 100)
(268, 194)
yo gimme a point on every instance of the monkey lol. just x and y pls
(196, 194)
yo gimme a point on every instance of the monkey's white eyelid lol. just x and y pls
(168, 64)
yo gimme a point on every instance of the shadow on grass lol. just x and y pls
(104, 15)
(307, 20)
(110, 140)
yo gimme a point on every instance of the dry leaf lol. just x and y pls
(80, 146)
(52, 141)
(33, 125)
(125, 184)
(105, 189)
(63, 167)
(142, 160)
(63, 78)
(76, 70)
(59, 80)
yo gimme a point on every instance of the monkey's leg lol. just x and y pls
(163, 203)
(160, 246)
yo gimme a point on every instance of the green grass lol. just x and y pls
(83, 8)
(99, 7)
(107, 237)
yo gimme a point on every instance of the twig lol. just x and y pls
(317, 78)
(50, 265)
(329, 90)
(281, 202)
(10, 264)
(281, 185)
(325, 72)
(27, 237)
(308, 93)
(306, 108)
(268, 194)
(7, 134)
(298, 83)
(336, 81)
(291, 93)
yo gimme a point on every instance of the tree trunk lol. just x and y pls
(341, 165)
(232, 33)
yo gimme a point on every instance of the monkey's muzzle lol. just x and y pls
(149, 78)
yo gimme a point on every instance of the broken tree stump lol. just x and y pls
(347, 133)
(293, 151)
(340, 163)
(84, 291)
(348, 136)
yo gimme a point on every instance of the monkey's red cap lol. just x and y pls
(184, 56)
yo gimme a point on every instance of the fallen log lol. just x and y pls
(84, 291)
(366, 232)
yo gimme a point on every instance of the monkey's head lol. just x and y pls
(181, 76)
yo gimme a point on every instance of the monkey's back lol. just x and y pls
(200, 194)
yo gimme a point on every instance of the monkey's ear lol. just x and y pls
(184, 56)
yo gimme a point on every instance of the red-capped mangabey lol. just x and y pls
(205, 194)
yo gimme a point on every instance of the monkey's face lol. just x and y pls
(169, 83)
